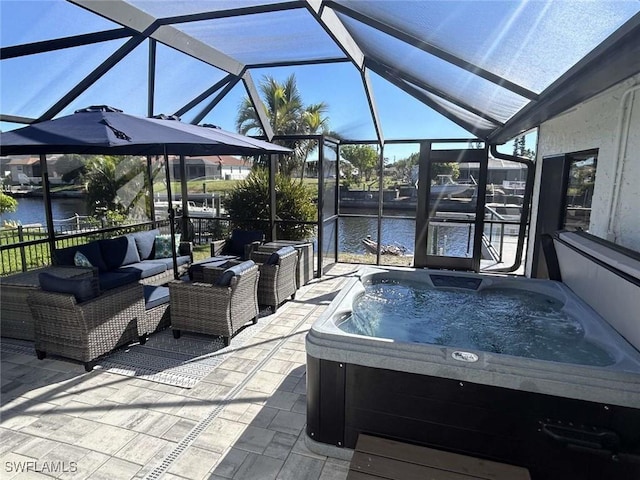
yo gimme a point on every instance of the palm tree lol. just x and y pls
(117, 184)
(283, 106)
(287, 116)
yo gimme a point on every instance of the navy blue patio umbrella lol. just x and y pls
(105, 130)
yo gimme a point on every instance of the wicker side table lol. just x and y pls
(16, 320)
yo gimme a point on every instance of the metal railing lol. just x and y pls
(26, 247)
(497, 226)
(76, 223)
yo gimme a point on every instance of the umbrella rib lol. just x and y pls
(118, 133)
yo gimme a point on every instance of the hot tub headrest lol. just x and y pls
(605, 276)
(623, 260)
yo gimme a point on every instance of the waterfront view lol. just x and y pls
(31, 210)
(453, 240)
(351, 231)
(114, 190)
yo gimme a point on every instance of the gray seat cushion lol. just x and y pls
(275, 256)
(91, 250)
(119, 251)
(168, 262)
(197, 267)
(109, 280)
(240, 238)
(155, 296)
(146, 269)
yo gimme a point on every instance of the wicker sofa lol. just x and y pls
(117, 262)
(129, 258)
(84, 329)
(221, 304)
(16, 320)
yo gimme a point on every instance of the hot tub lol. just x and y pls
(559, 418)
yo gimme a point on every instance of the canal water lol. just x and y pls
(351, 231)
(395, 231)
(31, 210)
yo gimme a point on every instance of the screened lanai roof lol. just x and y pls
(495, 68)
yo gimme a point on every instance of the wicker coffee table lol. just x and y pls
(196, 270)
(15, 317)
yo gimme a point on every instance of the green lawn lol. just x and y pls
(214, 186)
(200, 252)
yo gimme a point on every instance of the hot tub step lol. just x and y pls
(378, 458)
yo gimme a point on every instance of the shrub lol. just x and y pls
(248, 205)
(7, 203)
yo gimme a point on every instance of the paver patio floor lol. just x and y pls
(243, 421)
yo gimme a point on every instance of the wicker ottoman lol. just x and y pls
(196, 269)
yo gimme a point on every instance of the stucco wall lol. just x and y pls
(596, 124)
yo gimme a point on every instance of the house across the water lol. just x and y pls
(220, 167)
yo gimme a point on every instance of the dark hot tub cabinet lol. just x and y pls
(559, 420)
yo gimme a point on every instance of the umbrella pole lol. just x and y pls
(172, 214)
(152, 206)
(48, 211)
(185, 201)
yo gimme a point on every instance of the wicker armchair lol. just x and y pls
(277, 276)
(213, 308)
(84, 331)
(241, 244)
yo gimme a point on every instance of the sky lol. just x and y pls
(31, 85)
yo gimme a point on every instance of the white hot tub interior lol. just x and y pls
(498, 315)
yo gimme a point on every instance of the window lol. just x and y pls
(581, 178)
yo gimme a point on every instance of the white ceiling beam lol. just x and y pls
(258, 106)
(186, 44)
(127, 15)
(377, 66)
(119, 12)
(433, 50)
(334, 27)
(372, 106)
(336, 30)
